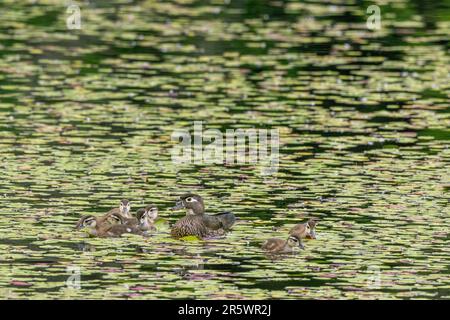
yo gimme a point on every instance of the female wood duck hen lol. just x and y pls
(275, 245)
(146, 218)
(99, 227)
(305, 230)
(196, 222)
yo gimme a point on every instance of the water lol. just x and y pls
(86, 118)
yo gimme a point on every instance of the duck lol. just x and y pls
(305, 230)
(196, 222)
(146, 218)
(115, 217)
(124, 209)
(103, 228)
(276, 245)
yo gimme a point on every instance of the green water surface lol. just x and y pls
(86, 118)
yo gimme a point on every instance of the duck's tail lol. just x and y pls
(227, 219)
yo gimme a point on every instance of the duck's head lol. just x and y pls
(193, 204)
(151, 212)
(293, 242)
(115, 218)
(125, 208)
(87, 222)
(303, 230)
(312, 228)
(147, 216)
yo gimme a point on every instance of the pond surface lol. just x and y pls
(86, 118)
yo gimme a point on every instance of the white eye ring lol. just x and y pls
(190, 199)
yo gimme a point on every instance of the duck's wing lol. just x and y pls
(132, 221)
(119, 229)
(189, 226)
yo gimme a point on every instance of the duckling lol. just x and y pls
(275, 245)
(116, 230)
(305, 230)
(92, 224)
(197, 222)
(114, 217)
(97, 227)
(146, 218)
(312, 225)
(124, 209)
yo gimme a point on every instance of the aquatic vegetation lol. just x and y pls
(86, 118)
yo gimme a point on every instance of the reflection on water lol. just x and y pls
(86, 118)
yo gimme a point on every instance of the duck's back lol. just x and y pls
(117, 230)
(273, 244)
(189, 226)
(223, 221)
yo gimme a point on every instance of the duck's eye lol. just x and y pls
(294, 239)
(89, 222)
(307, 227)
(189, 199)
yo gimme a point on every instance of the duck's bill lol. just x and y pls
(178, 206)
(79, 226)
(312, 235)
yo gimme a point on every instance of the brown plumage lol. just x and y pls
(114, 217)
(275, 245)
(190, 225)
(146, 218)
(124, 209)
(305, 230)
(100, 227)
(117, 230)
(202, 225)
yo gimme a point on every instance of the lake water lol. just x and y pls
(86, 118)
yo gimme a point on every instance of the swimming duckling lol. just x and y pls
(98, 227)
(116, 230)
(92, 224)
(275, 245)
(305, 230)
(117, 218)
(124, 209)
(146, 218)
(196, 222)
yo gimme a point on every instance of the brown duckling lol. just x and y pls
(196, 222)
(305, 230)
(116, 230)
(92, 224)
(117, 218)
(124, 209)
(146, 218)
(275, 245)
(98, 227)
